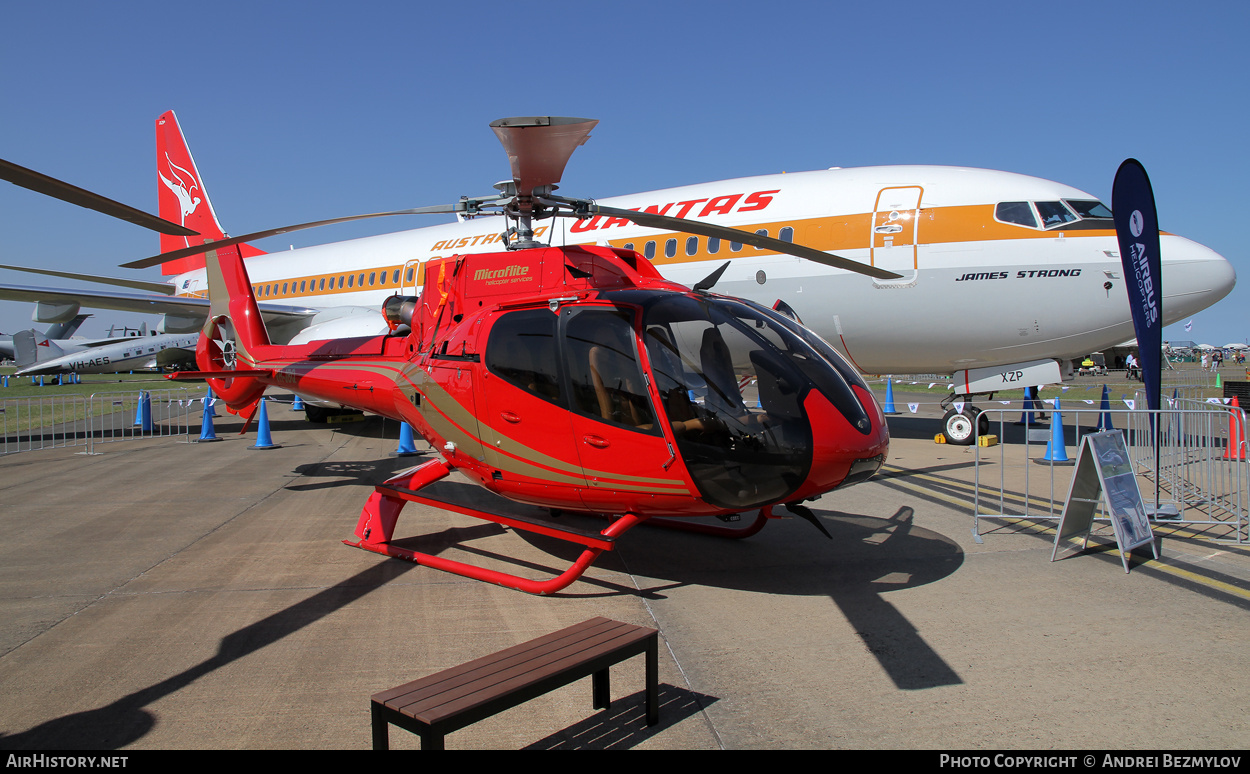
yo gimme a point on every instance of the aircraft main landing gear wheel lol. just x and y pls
(958, 424)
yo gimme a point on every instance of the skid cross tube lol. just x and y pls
(377, 524)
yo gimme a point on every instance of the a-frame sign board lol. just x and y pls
(1104, 474)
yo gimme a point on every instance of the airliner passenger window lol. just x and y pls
(373, 277)
(649, 250)
(713, 245)
(1017, 213)
(1054, 214)
(786, 235)
(670, 248)
(692, 245)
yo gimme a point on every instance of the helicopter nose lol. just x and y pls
(1194, 277)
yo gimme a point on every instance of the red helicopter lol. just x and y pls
(575, 379)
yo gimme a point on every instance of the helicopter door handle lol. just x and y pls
(508, 416)
(596, 441)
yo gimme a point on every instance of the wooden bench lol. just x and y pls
(454, 698)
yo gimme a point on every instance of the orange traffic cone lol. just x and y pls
(1236, 449)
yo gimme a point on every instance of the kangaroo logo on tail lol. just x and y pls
(182, 197)
(182, 185)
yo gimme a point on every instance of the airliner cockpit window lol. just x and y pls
(1018, 213)
(1054, 214)
(1089, 209)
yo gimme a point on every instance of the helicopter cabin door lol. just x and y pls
(526, 428)
(623, 452)
(895, 233)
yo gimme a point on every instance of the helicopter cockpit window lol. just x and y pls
(603, 369)
(1054, 214)
(1017, 213)
(522, 350)
(733, 381)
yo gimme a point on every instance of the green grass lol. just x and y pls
(28, 406)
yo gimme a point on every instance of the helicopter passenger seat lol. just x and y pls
(608, 368)
(718, 371)
(671, 383)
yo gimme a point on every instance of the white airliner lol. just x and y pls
(1004, 279)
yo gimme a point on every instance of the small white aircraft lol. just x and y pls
(37, 355)
(999, 279)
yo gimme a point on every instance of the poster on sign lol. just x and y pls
(1104, 476)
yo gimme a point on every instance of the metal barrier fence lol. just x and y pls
(29, 424)
(1200, 476)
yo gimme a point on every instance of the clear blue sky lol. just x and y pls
(308, 110)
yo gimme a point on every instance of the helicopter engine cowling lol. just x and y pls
(399, 310)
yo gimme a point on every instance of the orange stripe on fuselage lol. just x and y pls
(938, 225)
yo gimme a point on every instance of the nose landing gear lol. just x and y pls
(958, 425)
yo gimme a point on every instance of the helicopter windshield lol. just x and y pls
(733, 381)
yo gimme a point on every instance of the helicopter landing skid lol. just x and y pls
(381, 511)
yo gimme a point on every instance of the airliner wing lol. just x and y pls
(142, 303)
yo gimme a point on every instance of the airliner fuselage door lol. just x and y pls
(895, 232)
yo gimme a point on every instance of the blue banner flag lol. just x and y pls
(1137, 228)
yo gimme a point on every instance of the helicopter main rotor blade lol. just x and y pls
(59, 189)
(666, 223)
(143, 263)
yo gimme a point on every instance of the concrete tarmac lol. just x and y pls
(174, 595)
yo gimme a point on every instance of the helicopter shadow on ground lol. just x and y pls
(866, 558)
(362, 473)
(127, 719)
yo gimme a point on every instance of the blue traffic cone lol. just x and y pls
(1056, 450)
(298, 404)
(888, 408)
(206, 427)
(1104, 418)
(1026, 416)
(263, 439)
(407, 446)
